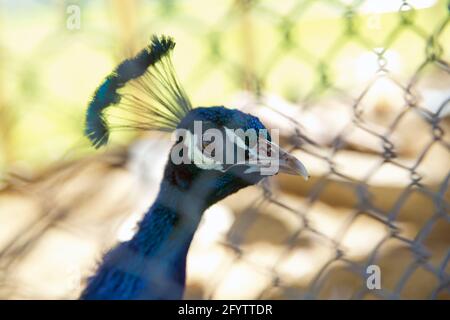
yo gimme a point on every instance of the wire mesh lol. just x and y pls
(379, 150)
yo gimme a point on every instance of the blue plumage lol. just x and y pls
(152, 265)
(139, 269)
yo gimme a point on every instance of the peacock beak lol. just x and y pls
(286, 162)
(267, 157)
(291, 165)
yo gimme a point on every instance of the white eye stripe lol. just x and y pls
(196, 155)
(252, 169)
(254, 154)
(199, 156)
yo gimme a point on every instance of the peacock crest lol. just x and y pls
(141, 93)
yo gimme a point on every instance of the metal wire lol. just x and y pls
(415, 257)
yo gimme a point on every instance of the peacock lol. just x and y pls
(144, 93)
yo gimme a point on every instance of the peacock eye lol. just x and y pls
(205, 144)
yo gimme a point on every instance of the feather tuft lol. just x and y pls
(145, 90)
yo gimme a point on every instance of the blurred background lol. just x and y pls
(360, 90)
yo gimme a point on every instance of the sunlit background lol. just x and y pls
(360, 90)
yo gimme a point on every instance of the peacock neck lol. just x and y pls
(169, 225)
(152, 265)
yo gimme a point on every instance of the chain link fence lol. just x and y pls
(361, 93)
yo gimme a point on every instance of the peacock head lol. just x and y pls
(217, 151)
